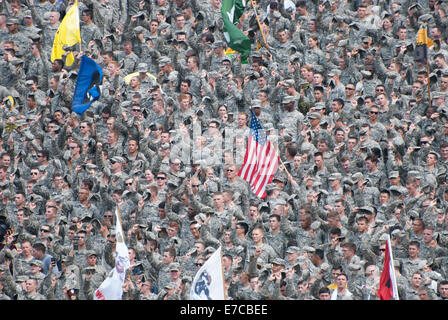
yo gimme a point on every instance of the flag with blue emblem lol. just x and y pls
(261, 159)
(208, 283)
(88, 85)
(112, 286)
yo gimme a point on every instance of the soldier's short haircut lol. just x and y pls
(244, 226)
(319, 253)
(321, 89)
(336, 231)
(292, 149)
(39, 247)
(414, 243)
(350, 245)
(318, 154)
(362, 218)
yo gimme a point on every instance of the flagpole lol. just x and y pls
(427, 68)
(223, 278)
(259, 24)
(394, 280)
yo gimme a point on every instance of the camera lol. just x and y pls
(75, 242)
(4, 227)
(188, 121)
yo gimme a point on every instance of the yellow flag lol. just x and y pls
(422, 38)
(229, 51)
(68, 34)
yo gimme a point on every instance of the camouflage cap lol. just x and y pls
(314, 115)
(288, 99)
(279, 262)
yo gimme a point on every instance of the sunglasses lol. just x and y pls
(136, 110)
(373, 112)
(44, 230)
(161, 178)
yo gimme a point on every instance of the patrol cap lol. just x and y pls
(335, 176)
(356, 177)
(325, 266)
(279, 262)
(117, 159)
(142, 67)
(288, 83)
(319, 106)
(27, 14)
(366, 73)
(397, 189)
(36, 262)
(170, 286)
(91, 166)
(139, 29)
(218, 44)
(334, 72)
(268, 127)
(90, 253)
(11, 21)
(415, 174)
(201, 217)
(395, 233)
(309, 249)
(288, 99)
(163, 61)
(226, 58)
(367, 209)
(438, 94)
(314, 115)
(279, 179)
(293, 249)
(21, 278)
(163, 25)
(315, 225)
(354, 267)
(256, 103)
(394, 174)
(209, 250)
(174, 266)
(272, 187)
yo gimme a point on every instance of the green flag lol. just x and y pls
(231, 11)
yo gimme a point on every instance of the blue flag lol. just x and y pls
(87, 90)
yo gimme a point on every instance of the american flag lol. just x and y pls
(261, 159)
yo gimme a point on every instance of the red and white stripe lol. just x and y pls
(260, 165)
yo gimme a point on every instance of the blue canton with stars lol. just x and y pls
(256, 130)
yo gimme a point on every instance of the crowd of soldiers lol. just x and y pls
(360, 125)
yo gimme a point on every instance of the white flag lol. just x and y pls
(208, 283)
(112, 287)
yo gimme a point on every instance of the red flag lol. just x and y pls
(387, 286)
(261, 159)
